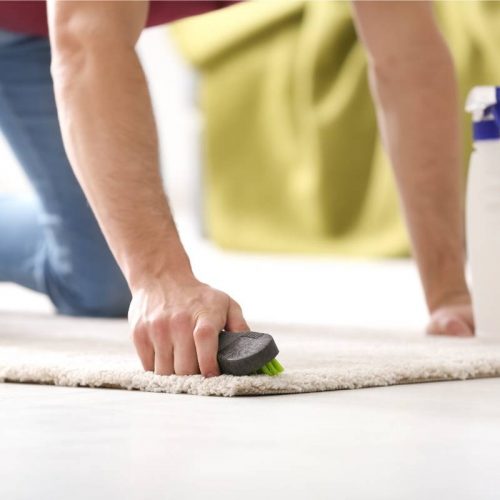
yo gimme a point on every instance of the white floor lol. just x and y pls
(431, 441)
(428, 441)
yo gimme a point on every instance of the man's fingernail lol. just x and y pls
(211, 375)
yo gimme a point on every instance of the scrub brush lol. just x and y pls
(247, 353)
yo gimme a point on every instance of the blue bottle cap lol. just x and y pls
(484, 104)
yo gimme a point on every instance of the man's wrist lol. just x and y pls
(143, 268)
(142, 277)
(449, 292)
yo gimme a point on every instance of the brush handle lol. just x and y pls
(243, 353)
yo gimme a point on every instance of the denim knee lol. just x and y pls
(103, 293)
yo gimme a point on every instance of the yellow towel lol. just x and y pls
(292, 158)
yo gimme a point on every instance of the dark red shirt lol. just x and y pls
(30, 17)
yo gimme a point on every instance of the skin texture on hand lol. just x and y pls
(176, 326)
(454, 318)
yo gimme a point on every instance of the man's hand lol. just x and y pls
(176, 326)
(454, 317)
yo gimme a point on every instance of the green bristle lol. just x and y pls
(272, 368)
(277, 365)
(264, 370)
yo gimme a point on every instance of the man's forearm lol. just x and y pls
(415, 91)
(110, 137)
(418, 117)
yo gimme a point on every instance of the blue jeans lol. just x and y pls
(49, 241)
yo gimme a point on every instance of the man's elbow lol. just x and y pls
(81, 41)
(79, 30)
(71, 46)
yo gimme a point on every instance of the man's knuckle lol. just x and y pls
(157, 336)
(158, 324)
(159, 331)
(204, 332)
(137, 328)
(140, 335)
(180, 320)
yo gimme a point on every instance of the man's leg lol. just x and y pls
(50, 242)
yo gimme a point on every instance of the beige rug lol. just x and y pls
(98, 353)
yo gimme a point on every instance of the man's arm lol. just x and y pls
(415, 90)
(110, 137)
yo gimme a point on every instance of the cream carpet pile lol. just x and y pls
(98, 353)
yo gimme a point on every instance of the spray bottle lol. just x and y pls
(483, 210)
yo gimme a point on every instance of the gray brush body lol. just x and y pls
(245, 353)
